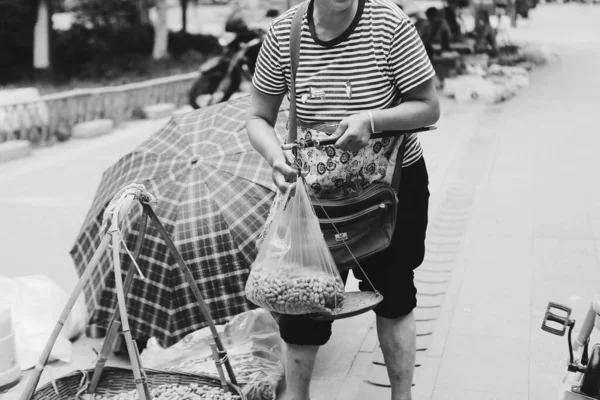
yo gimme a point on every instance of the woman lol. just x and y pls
(362, 66)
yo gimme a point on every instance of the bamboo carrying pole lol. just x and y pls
(115, 323)
(140, 383)
(190, 278)
(219, 365)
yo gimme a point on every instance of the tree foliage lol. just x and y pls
(110, 13)
(109, 38)
(17, 20)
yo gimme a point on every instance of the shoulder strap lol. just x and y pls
(295, 38)
(398, 168)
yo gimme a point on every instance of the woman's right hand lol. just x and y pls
(284, 175)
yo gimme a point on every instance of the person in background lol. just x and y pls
(485, 35)
(364, 69)
(452, 21)
(435, 31)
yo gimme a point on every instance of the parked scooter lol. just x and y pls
(225, 74)
(582, 380)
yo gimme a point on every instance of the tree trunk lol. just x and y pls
(184, 7)
(41, 40)
(144, 10)
(512, 12)
(161, 31)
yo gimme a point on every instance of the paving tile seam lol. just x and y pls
(445, 233)
(432, 294)
(432, 282)
(439, 271)
(450, 230)
(443, 261)
(449, 221)
(446, 242)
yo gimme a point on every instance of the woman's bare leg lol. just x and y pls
(299, 364)
(399, 342)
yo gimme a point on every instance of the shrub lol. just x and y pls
(101, 52)
(182, 42)
(17, 21)
(107, 40)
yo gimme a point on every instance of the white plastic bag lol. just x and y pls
(36, 304)
(253, 347)
(540, 55)
(294, 271)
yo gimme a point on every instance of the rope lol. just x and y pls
(130, 255)
(223, 358)
(52, 380)
(83, 384)
(140, 193)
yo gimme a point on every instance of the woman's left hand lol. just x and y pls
(354, 132)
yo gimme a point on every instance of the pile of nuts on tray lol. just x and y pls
(254, 374)
(177, 392)
(294, 290)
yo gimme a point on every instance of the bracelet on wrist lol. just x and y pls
(371, 119)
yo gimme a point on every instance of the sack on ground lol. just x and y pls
(253, 345)
(294, 272)
(36, 304)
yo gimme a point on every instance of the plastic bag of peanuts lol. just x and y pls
(294, 272)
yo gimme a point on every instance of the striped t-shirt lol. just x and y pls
(369, 66)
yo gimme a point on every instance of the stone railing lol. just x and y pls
(48, 118)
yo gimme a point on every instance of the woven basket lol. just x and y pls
(114, 381)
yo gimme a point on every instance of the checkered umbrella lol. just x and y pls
(213, 194)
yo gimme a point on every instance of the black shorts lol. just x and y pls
(391, 271)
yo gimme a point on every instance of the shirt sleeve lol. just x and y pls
(268, 75)
(408, 59)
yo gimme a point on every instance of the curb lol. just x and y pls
(160, 110)
(14, 149)
(92, 128)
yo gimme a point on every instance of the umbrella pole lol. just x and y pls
(37, 372)
(190, 278)
(140, 382)
(115, 323)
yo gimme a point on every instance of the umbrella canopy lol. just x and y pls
(213, 193)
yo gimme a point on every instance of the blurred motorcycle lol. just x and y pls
(230, 71)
